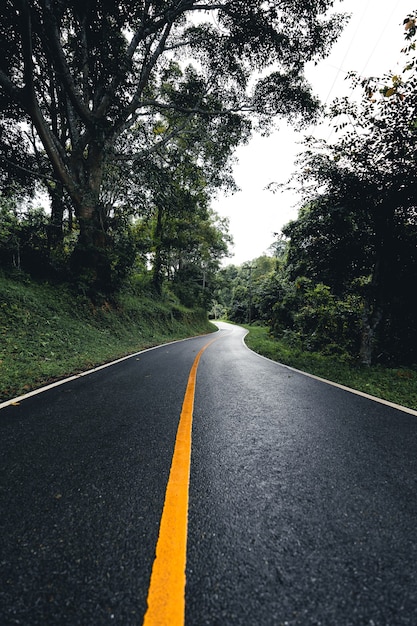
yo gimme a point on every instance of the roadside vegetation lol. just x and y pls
(336, 294)
(46, 333)
(395, 384)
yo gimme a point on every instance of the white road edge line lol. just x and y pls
(57, 383)
(399, 407)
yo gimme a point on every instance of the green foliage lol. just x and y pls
(47, 333)
(246, 292)
(331, 241)
(328, 324)
(23, 238)
(351, 254)
(9, 234)
(127, 107)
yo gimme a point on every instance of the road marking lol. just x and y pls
(166, 595)
(62, 381)
(356, 392)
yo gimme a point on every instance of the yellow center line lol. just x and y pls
(166, 594)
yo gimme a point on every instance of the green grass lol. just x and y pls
(398, 385)
(46, 333)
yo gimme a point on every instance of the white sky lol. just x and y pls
(371, 45)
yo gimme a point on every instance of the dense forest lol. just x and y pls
(343, 275)
(118, 125)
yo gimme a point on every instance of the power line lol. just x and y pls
(370, 56)
(380, 36)
(347, 51)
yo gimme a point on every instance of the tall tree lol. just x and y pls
(85, 72)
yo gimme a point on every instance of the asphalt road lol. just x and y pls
(302, 496)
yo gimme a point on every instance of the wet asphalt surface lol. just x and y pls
(303, 507)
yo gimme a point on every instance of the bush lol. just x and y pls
(321, 321)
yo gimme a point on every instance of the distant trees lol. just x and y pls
(94, 90)
(242, 293)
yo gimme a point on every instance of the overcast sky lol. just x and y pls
(371, 45)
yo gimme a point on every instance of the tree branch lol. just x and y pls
(163, 21)
(62, 66)
(49, 179)
(144, 79)
(54, 151)
(85, 68)
(26, 39)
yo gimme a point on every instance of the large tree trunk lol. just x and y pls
(90, 260)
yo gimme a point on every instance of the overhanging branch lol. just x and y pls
(46, 177)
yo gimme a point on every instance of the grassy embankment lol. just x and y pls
(46, 333)
(398, 385)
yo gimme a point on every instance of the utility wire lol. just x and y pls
(380, 36)
(370, 56)
(347, 51)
